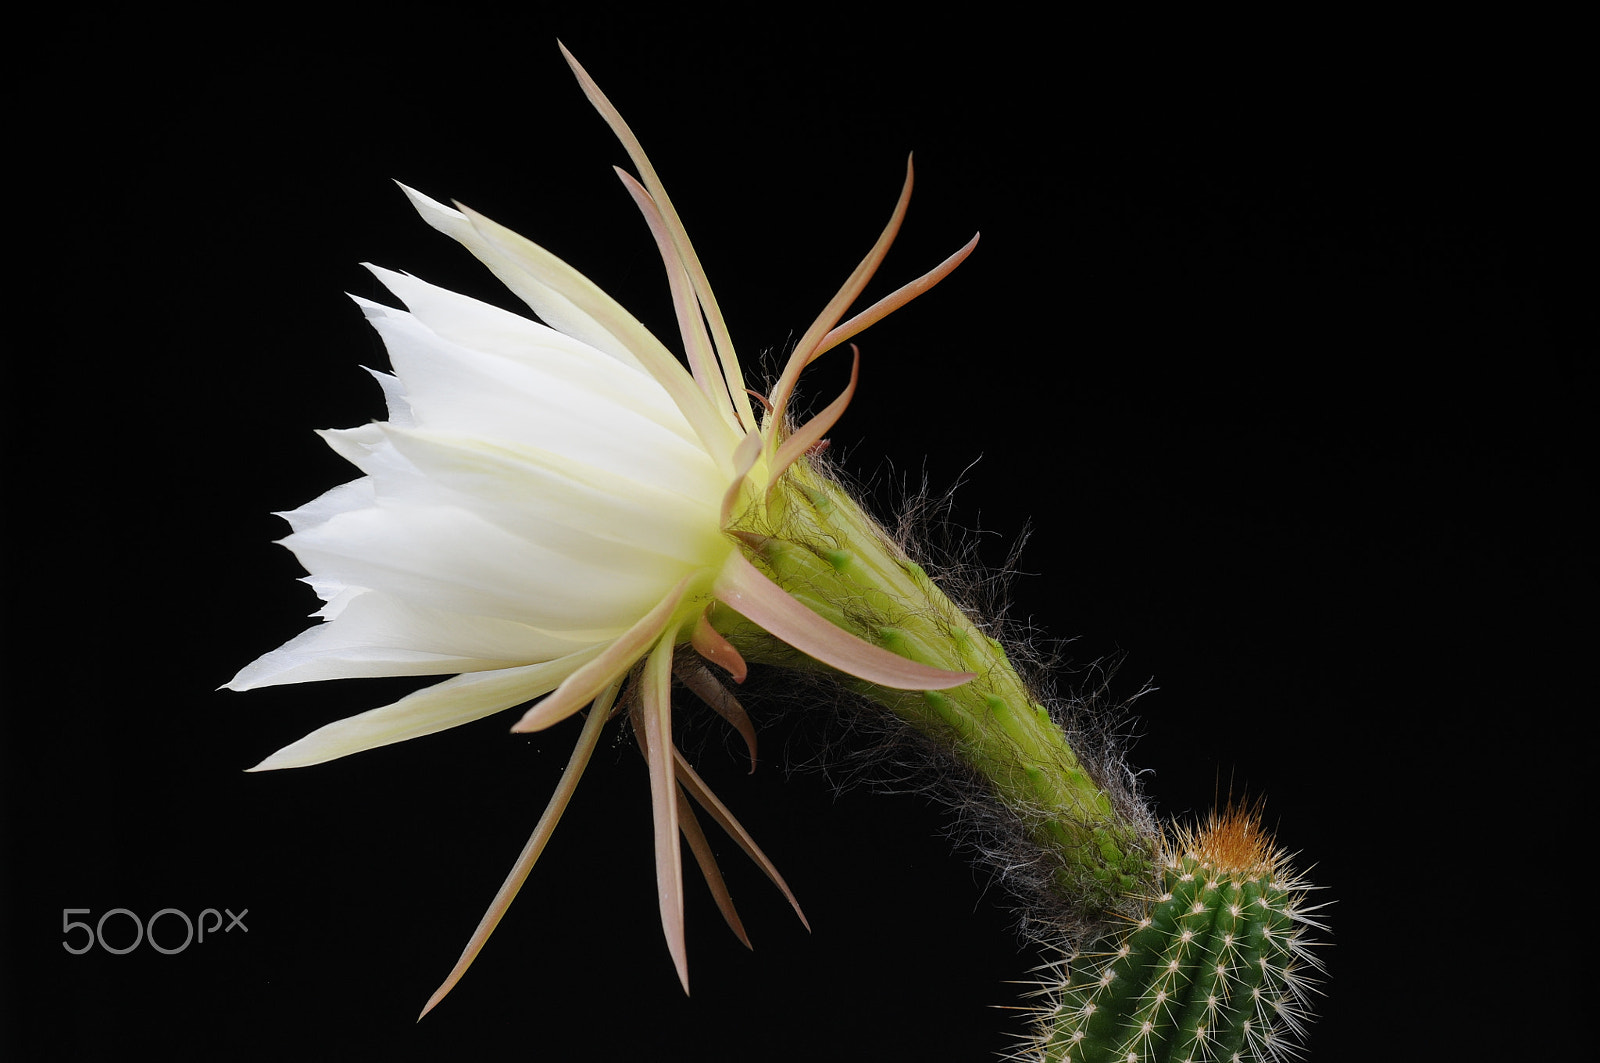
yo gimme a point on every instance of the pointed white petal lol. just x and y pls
(373, 634)
(439, 707)
(546, 498)
(346, 498)
(449, 559)
(717, 434)
(553, 308)
(394, 396)
(588, 408)
(461, 321)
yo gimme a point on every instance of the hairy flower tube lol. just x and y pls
(557, 511)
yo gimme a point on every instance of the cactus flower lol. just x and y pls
(552, 511)
(560, 514)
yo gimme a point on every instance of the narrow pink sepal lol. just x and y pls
(709, 643)
(703, 856)
(698, 845)
(696, 788)
(655, 708)
(745, 589)
(691, 323)
(580, 688)
(895, 299)
(731, 371)
(710, 690)
(587, 740)
(806, 349)
(810, 434)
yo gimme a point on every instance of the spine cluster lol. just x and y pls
(1217, 969)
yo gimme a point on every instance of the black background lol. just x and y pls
(1266, 336)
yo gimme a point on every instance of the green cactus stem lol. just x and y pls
(1216, 969)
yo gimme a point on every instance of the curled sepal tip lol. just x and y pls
(709, 643)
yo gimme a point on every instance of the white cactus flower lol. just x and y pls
(551, 510)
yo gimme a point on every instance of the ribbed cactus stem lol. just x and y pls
(816, 541)
(1217, 968)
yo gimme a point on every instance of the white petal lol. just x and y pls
(556, 527)
(575, 305)
(595, 411)
(450, 559)
(437, 708)
(378, 635)
(346, 498)
(559, 503)
(555, 309)
(469, 322)
(334, 594)
(394, 395)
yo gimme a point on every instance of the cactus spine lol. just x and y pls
(1216, 969)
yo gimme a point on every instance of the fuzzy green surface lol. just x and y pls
(816, 541)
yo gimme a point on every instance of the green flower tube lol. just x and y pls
(817, 542)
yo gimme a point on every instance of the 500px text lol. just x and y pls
(141, 931)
